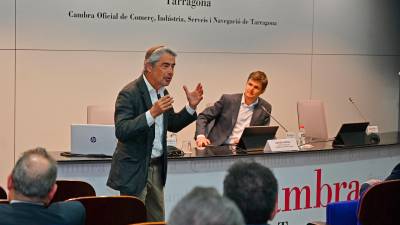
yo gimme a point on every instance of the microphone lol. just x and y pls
(358, 110)
(373, 138)
(266, 111)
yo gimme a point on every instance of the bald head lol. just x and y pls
(34, 174)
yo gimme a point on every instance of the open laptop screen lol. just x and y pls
(353, 127)
(255, 137)
(351, 134)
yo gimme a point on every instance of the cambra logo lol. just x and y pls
(301, 196)
(192, 3)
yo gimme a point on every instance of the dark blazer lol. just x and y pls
(224, 112)
(132, 156)
(59, 213)
(394, 175)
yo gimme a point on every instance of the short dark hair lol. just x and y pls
(259, 76)
(205, 206)
(32, 179)
(254, 189)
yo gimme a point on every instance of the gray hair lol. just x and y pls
(157, 53)
(205, 206)
(33, 178)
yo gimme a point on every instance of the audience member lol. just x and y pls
(394, 175)
(254, 189)
(205, 206)
(31, 187)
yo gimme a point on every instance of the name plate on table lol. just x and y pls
(372, 129)
(281, 145)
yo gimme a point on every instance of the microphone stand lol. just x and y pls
(359, 111)
(266, 111)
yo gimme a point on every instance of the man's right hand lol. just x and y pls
(162, 105)
(202, 141)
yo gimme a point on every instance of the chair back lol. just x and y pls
(344, 212)
(3, 193)
(113, 210)
(380, 204)
(67, 189)
(100, 114)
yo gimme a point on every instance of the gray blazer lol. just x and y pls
(224, 113)
(131, 158)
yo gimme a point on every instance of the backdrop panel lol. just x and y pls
(54, 89)
(371, 81)
(357, 27)
(224, 25)
(7, 24)
(6, 114)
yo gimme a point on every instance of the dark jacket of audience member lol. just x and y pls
(31, 187)
(394, 175)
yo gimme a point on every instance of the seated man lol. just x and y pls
(205, 206)
(394, 175)
(254, 189)
(31, 186)
(233, 112)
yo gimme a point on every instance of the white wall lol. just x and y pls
(6, 114)
(329, 50)
(7, 88)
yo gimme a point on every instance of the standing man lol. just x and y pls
(232, 113)
(31, 186)
(143, 114)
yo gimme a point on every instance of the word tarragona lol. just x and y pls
(192, 3)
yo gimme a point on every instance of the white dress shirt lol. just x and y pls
(157, 150)
(243, 120)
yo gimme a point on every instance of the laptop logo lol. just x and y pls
(93, 139)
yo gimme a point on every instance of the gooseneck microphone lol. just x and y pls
(372, 138)
(358, 110)
(266, 111)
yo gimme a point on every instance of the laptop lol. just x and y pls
(93, 139)
(254, 138)
(351, 134)
(311, 114)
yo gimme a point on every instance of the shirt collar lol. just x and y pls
(251, 105)
(19, 201)
(151, 88)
